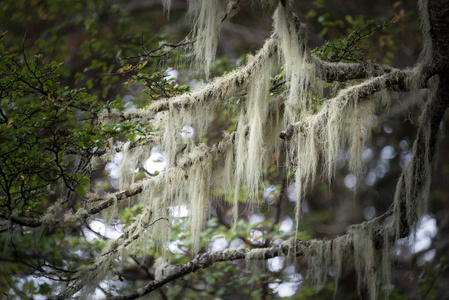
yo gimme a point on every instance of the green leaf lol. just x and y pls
(349, 19)
(84, 180)
(80, 191)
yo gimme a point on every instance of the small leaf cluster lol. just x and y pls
(49, 134)
(157, 84)
(353, 47)
(428, 279)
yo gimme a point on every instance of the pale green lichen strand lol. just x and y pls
(292, 43)
(207, 16)
(257, 113)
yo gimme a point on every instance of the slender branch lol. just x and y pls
(118, 148)
(116, 197)
(108, 200)
(150, 54)
(231, 10)
(23, 222)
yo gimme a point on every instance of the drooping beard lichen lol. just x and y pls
(207, 16)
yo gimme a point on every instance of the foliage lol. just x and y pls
(157, 85)
(352, 47)
(363, 38)
(429, 276)
(41, 122)
(50, 132)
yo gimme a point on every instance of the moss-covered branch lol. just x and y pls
(331, 72)
(353, 94)
(81, 214)
(205, 260)
(219, 88)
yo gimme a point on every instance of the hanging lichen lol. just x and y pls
(223, 175)
(167, 5)
(241, 151)
(199, 195)
(207, 16)
(257, 113)
(292, 43)
(413, 187)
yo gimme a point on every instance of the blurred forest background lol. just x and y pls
(93, 39)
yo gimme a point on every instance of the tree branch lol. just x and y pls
(331, 72)
(353, 93)
(108, 200)
(205, 260)
(220, 88)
